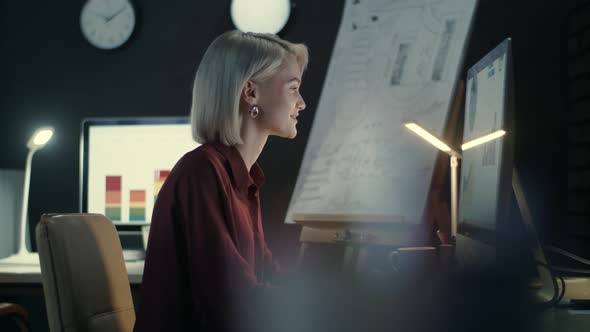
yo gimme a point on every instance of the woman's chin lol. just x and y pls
(290, 134)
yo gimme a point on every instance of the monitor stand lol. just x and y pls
(130, 236)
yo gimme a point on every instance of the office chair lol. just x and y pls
(13, 317)
(85, 281)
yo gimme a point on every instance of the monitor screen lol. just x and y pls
(486, 168)
(125, 161)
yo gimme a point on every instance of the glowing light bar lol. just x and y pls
(483, 139)
(427, 136)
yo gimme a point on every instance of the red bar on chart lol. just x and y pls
(159, 178)
(113, 197)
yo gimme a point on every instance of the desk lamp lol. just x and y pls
(23, 255)
(455, 156)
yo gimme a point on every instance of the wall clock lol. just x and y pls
(107, 24)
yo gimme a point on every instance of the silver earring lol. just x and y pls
(254, 111)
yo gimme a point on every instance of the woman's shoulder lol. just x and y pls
(203, 161)
(200, 169)
(203, 158)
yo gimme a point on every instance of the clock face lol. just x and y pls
(107, 24)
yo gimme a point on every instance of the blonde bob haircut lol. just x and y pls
(231, 60)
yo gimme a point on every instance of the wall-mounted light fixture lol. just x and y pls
(262, 16)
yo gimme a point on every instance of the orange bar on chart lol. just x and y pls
(137, 205)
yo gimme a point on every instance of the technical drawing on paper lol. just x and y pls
(393, 61)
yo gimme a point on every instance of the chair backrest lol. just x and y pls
(85, 281)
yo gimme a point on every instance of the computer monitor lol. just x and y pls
(125, 161)
(490, 233)
(486, 170)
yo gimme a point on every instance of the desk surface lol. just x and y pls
(31, 274)
(564, 320)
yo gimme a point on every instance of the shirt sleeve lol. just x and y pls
(272, 268)
(220, 278)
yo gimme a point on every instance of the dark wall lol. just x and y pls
(51, 76)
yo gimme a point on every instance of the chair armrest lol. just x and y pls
(16, 312)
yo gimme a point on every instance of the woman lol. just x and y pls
(207, 260)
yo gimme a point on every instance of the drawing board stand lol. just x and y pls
(360, 240)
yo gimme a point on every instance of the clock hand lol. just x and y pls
(100, 15)
(108, 19)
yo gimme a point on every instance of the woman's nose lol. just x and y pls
(301, 104)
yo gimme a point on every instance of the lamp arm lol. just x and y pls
(22, 245)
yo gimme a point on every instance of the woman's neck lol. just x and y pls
(254, 142)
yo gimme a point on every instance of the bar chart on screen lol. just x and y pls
(127, 163)
(137, 198)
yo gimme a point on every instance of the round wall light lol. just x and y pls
(263, 16)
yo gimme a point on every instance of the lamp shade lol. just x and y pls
(262, 16)
(40, 138)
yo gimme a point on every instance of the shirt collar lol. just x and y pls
(239, 173)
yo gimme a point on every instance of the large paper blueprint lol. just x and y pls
(394, 61)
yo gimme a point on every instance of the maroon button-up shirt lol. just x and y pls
(206, 256)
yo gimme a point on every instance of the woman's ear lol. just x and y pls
(250, 93)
